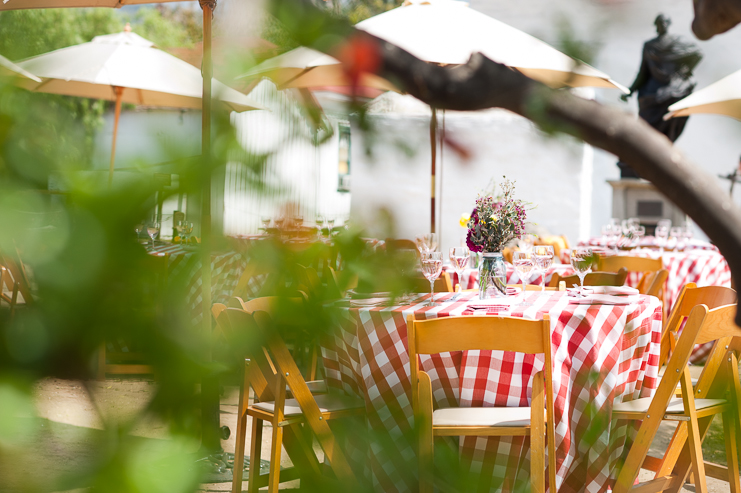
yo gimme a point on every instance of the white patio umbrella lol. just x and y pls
(9, 70)
(448, 32)
(304, 68)
(721, 98)
(124, 67)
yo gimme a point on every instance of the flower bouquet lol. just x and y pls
(494, 222)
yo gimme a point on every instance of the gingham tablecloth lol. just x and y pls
(184, 271)
(704, 267)
(470, 277)
(601, 353)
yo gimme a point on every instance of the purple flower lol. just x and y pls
(469, 243)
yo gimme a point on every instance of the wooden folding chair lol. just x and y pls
(486, 333)
(271, 369)
(643, 265)
(593, 279)
(689, 297)
(281, 307)
(443, 284)
(122, 359)
(12, 286)
(694, 410)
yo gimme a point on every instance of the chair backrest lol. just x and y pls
(443, 284)
(644, 265)
(485, 332)
(689, 297)
(593, 278)
(399, 244)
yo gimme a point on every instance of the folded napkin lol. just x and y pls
(604, 299)
(493, 303)
(363, 296)
(370, 302)
(611, 290)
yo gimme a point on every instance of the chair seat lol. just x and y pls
(327, 403)
(315, 387)
(675, 405)
(482, 416)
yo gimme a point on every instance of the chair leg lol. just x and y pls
(698, 464)
(275, 450)
(729, 426)
(255, 453)
(537, 436)
(238, 469)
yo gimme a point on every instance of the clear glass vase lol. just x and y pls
(492, 276)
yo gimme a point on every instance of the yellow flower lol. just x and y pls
(464, 220)
(494, 218)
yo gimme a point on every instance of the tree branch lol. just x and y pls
(482, 83)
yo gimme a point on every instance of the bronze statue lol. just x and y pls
(663, 79)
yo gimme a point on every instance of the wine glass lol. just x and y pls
(330, 225)
(581, 261)
(426, 242)
(139, 227)
(432, 266)
(524, 263)
(661, 234)
(638, 233)
(676, 233)
(153, 229)
(543, 260)
(265, 220)
(459, 258)
(320, 225)
(525, 243)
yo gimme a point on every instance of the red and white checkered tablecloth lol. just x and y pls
(601, 353)
(704, 267)
(470, 277)
(650, 241)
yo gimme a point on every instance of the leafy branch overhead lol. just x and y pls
(482, 83)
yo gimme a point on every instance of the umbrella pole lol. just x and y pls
(119, 96)
(433, 154)
(210, 385)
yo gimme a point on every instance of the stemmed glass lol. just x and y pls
(153, 230)
(320, 225)
(330, 226)
(524, 263)
(677, 234)
(459, 258)
(543, 260)
(638, 233)
(581, 261)
(661, 234)
(426, 242)
(432, 266)
(265, 220)
(526, 243)
(139, 227)
(186, 228)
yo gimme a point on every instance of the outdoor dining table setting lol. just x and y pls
(605, 349)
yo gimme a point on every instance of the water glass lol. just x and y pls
(524, 263)
(153, 230)
(661, 234)
(138, 228)
(543, 260)
(638, 233)
(525, 243)
(677, 235)
(459, 258)
(426, 242)
(432, 266)
(581, 261)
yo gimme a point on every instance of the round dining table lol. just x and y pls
(602, 353)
